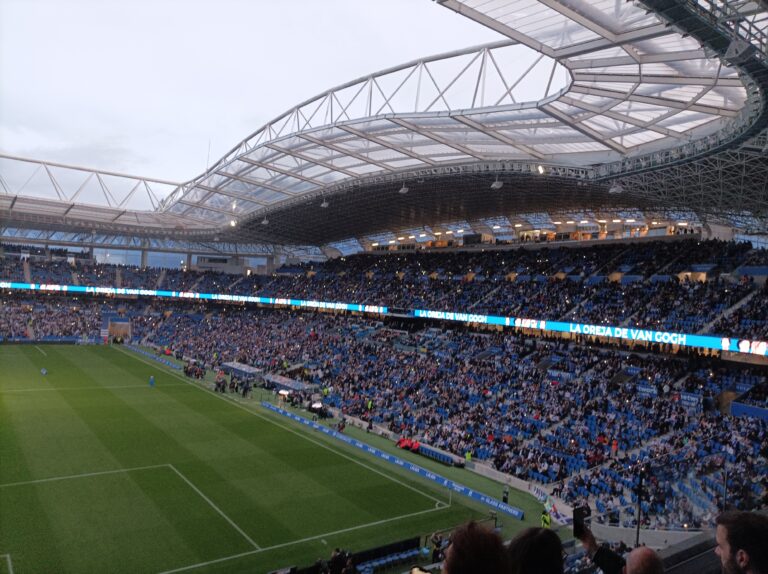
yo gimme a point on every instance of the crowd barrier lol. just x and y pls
(746, 410)
(436, 478)
(154, 357)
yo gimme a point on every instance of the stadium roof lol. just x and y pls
(622, 89)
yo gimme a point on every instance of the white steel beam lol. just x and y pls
(587, 131)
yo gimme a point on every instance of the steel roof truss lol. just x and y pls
(383, 143)
(655, 100)
(310, 159)
(289, 173)
(587, 131)
(497, 136)
(363, 159)
(434, 137)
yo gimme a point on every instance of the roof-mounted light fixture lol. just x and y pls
(265, 221)
(232, 223)
(403, 190)
(324, 204)
(496, 185)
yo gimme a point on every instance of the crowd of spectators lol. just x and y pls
(651, 285)
(579, 418)
(49, 318)
(558, 412)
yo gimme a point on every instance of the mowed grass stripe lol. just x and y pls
(16, 517)
(182, 534)
(300, 433)
(296, 473)
(279, 489)
(51, 438)
(109, 523)
(303, 482)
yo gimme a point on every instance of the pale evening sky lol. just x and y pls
(142, 87)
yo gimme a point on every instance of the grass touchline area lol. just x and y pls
(297, 432)
(192, 482)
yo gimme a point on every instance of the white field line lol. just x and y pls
(216, 508)
(84, 475)
(170, 466)
(293, 431)
(303, 540)
(43, 352)
(9, 562)
(86, 388)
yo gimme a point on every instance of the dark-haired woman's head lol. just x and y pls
(475, 550)
(536, 551)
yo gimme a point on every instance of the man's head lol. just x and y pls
(475, 550)
(741, 542)
(643, 560)
(536, 551)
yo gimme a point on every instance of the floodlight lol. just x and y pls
(403, 190)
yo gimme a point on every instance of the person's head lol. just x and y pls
(475, 550)
(536, 551)
(741, 542)
(643, 560)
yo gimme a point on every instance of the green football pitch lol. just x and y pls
(101, 473)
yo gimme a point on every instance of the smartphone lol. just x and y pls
(581, 516)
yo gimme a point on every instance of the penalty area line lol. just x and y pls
(83, 475)
(9, 562)
(301, 541)
(216, 508)
(43, 352)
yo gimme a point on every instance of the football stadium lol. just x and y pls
(501, 308)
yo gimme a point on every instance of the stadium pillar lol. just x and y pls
(188, 263)
(144, 258)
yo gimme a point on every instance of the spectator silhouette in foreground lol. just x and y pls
(641, 560)
(474, 549)
(536, 551)
(742, 542)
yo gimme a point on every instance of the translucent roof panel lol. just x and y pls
(576, 79)
(573, 83)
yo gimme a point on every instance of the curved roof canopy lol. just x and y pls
(625, 82)
(577, 84)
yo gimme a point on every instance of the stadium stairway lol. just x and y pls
(196, 283)
(728, 312)
(161, 278)
(234, 284)
(630, 453)
(605, 268)
(485, 298)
